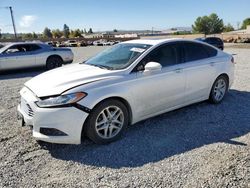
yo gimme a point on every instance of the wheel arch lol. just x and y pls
(121, 99)
(54, 55)
(225, 75)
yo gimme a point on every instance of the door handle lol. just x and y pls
(179, 70)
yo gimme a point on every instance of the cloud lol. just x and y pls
(27, 20)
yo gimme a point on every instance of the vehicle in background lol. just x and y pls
(214, 41)
(60, 44)
(52, 43)
(122, 85)
(71, 43)
(103, 42)
(26, 55)
(97, 43)
(82, 43)
(90, 43)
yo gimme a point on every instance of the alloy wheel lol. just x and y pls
(109, 122)
(219, 89)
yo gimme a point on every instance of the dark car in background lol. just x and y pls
(214, 41)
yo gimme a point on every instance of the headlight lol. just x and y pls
(61, 100)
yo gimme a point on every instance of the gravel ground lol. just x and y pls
(201, 145)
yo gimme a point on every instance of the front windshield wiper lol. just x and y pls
(101, 66)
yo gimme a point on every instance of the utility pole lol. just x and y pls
(13, 21)
(152, 33)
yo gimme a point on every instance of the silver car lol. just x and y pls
(122, 85)
(26, 55)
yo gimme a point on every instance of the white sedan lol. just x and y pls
(122, 85)
(26, 55)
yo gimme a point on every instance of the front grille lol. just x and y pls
(26, 108)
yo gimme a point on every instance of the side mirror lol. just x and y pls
(152, 67)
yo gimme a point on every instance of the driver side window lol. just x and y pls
(166, 55)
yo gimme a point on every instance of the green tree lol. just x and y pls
(208, 24)
(77, 33)
(57, 33)
(66, 31)
(34, 35)
(245, 23)
(115, 30)
(27, 36)
(90, 30)
(47, 33)
(228, 28)
(0, 33)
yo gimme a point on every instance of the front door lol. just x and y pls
(159, 91)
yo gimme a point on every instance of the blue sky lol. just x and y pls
(34, 15)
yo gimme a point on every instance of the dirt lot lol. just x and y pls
(202, 145)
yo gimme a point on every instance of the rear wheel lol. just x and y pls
(53, 62)
(219, 90)
(107, 121)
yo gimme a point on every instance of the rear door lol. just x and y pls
(200, 68)
(163, 90)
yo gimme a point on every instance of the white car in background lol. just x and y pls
(27, 55)
(71, 43)
(122, 85)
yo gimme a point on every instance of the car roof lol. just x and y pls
(158, 41)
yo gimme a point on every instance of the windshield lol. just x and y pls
(4, 48)
(119, 56)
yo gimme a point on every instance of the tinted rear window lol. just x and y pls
(214, 40)
(211, 51)
(196, 51)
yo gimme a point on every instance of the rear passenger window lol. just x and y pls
(211, 51)
(34, 47)
(195, 51)
(31, 47)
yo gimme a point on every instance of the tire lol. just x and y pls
(219, 90)
(103, 131)
(53, 62)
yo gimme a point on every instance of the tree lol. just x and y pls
(77, 33)
(245, 23)
(115, 30)
(27, 36)
(0, 33)
(47, 33)
(57, 33)
(208, 24)
(90, 30)
(34, 35)
(228, 28)
(66, 31)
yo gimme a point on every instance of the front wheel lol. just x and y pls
(107, 121)
(219, 90)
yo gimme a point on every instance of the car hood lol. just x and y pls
(57, 81)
